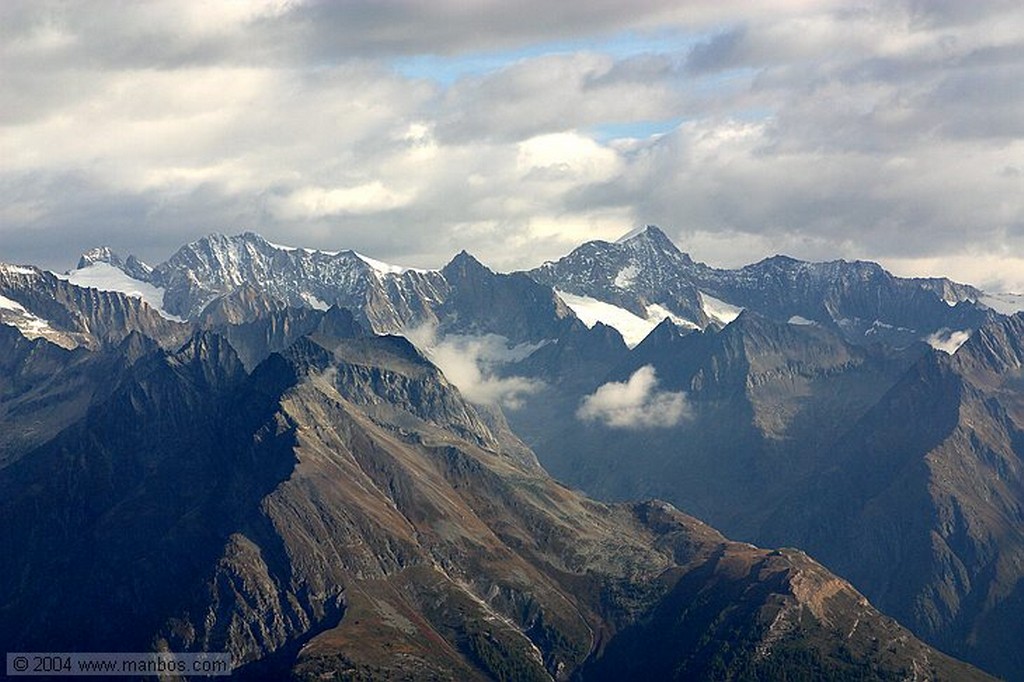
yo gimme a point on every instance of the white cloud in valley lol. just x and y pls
(473, 364)
(636, 403)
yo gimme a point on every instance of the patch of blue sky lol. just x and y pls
(754, 115)
(447, 69)
(727, 79)
(640, 130)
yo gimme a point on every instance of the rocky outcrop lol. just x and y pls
(71, 315)
(860, 300)
(645, 268)
(385, 299)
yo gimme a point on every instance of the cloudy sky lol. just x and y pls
(889, 130)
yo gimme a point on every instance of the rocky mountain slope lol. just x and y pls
(646, 274)
(923, 507)
(901, 471)
(787, 403)
(220, 280)
(42, 305)
(832, 437)
(762, 403)
(632, 284)
(341, 510)
(642, 270)
(387, 298)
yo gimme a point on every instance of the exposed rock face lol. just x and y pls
(765, 401)
(385, 299)
(341, 510)
(644, 273)
(220, 281)
(633, 273)
(949, 291)
(481, 301)
(859, 299)
(129, 504)
(244, 304)
(131, 265)
(903, 472)
(276, 330)
(77, 316)
(43, 388)
(923, 509)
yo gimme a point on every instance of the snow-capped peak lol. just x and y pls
(215, 265)
(17, 269)
(131, 265)
(644, 232)
(99, 254)
(635, 232)
(282, 247)
(377, 265)
(631, 326)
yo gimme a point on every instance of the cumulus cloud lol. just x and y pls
(362, 199)
(471, 363)
(891, 131)
(561, 92)
(636, 403)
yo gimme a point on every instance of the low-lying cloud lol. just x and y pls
(948, 341)
(472, 363)
(635, 403)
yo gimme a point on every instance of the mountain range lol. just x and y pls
(324, 463)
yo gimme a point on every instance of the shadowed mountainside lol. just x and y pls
(342, 510)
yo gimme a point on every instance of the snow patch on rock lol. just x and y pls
(626, 276)
(717, 309)
(106, 277)
(1003, 303)
(591, 311)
